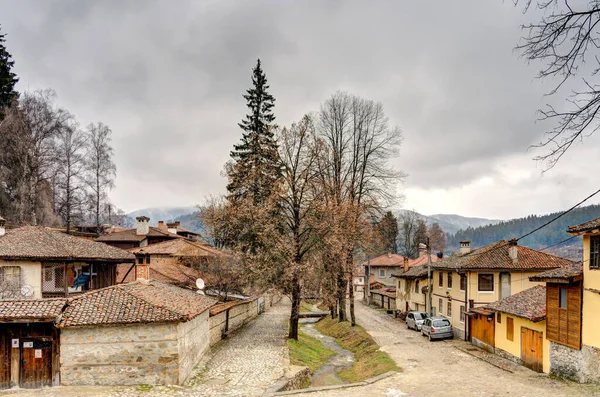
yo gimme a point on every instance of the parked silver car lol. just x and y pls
(415, 319)
(437, 328)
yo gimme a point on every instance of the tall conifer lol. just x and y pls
(8, 79)
(256, 166)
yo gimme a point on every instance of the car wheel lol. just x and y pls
(429, 337)
(407, 326)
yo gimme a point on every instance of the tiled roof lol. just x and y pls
(131, 235)
(177, 247)
(495, 256)
(389, 292)
(170, 273)
(563, 274)
(137, 302)
(413, 272)
(421, 260)
(221, 307)
(37, 242)
(33, 310)
(585, 226)
(529, 304)
(387, 260)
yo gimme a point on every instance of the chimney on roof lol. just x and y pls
(422, 249)
(142, 267)
(465, 247)
(2, 229)
(142, 226)
(405, 264)
(161, 225)
(513, 249)
(389, 253)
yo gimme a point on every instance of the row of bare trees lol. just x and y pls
(53, 171)
(334, 178)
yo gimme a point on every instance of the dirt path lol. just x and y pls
(440, 368)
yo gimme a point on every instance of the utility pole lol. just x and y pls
(429, 277)
(367, 290)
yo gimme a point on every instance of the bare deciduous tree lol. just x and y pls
(101, 169)
(564, 39)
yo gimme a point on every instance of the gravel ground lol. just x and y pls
(441, 368)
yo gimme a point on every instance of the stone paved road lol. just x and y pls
(246, 364)
(440, 369)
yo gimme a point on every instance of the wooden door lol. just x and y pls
(482, 328)
(36, 363)
(532, 349)
(4, 360)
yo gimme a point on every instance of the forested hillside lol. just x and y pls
(550, 235)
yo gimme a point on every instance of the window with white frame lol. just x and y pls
(462, 313)
(449, 309)
(381, 272)
(441, 306)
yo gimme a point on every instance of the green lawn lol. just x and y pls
(308, 351)
(370, 361)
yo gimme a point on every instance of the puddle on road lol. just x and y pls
(327, 375)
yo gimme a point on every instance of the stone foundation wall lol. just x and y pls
(581, 366)
(508, 356)
(119, 355)
(193, 341)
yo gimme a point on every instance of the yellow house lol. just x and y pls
(463, 284)
(410, 292)
(520, 328)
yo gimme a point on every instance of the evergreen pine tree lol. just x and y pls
(7, 78)
(256, 165)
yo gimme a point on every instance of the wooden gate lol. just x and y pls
(4, 361)
(36, 363)
(532, 349)
(482, 329)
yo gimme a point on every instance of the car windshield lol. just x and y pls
(441, 323)
(420, 316)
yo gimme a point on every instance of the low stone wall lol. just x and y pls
(119, 355)
(239, 314)
(193, 341)
(590, 364)
(581, 366)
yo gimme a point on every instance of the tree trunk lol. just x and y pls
(351, 297)
(332, 311)
(341, 298)
(293, 331)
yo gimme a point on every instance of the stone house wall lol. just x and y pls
(193, 341)
(581, 366)
(120, 354)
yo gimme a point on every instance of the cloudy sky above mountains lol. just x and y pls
(167, 77)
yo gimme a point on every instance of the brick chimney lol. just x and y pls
(465, 247)
(172, 227)
(142, 270)
(142, 226)
(513, 249)
(422, 249)
(2, 229)
(405, 264)
(161, 225)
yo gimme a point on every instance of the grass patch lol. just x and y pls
(308, 351)
(370, 361)
(305, 307)
(144, 387)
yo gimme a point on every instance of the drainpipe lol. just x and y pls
(429, 277)
(467, 307)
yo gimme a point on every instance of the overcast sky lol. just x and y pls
(168, 78)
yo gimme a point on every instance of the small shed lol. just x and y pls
(142, 332)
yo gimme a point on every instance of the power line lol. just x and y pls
(558, 216)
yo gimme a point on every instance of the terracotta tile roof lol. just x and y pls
(389, 292)
(414, 272)
(36, 309)
(131, 235)
(529, 304)
(384, 260)
(170, 273)
(585, 226)
(37, 242)
(221, 307)
(137, 302)
(178, 247)
(565, 274)
(495, 256)
(422, 260)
